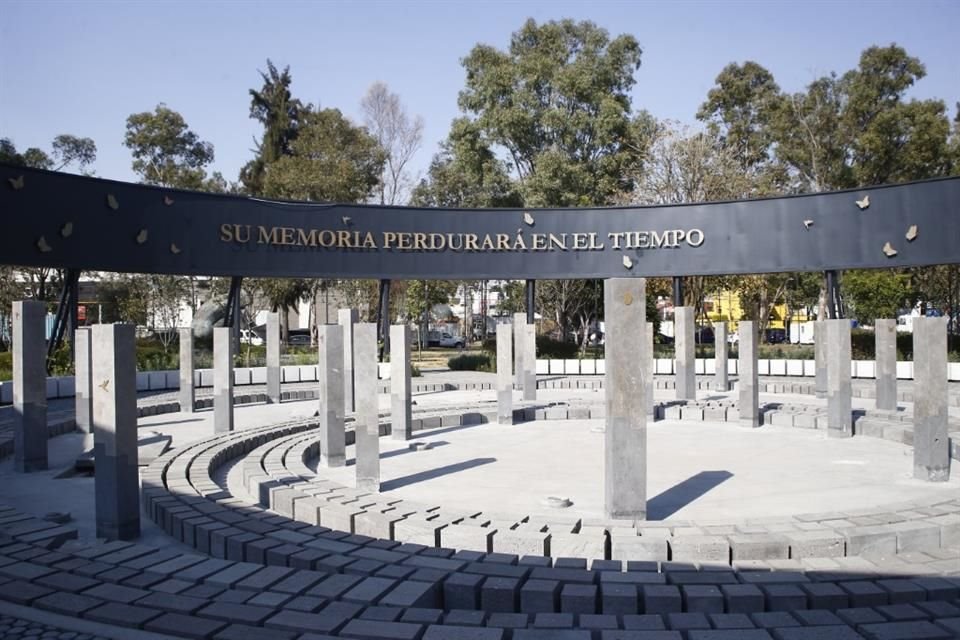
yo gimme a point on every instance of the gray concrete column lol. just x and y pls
(117, 478)
(29, 386)
(346, 318)
(222, 379)
(721, 378)
(330, 380)
(367, 424)
(685, 355)
(839, 388)
(625, 436)
(647, 356)
(187, 393)
(529, 342)
(504, 374)
(273, 358)
(519, 324)
(401, 412)
(931, 449)
(885, 368)
(83, 381)
(820, 357)
(748, 384)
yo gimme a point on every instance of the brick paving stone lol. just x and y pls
(774, 619)
(22, 592)
(375, 630)
(650, 622)
(922, 630)
(421, 615)
(499, 595)
(553, 621)
(453, 632)
(619, 599)
(726, 634)
(62, 581)
(687, 621)
(369, 590)
(838, 632)
(233, 612)
(184, 626)
(386, 614)
(116, 593)
(901, 612)
(702, 599)
(307, 604)
(70, 604)
(864, 593)
(661, 599)
(331, 618)
(742, 598)
(730, 621)
(333, 586)
(464, 617)
(578, 598)
(172, 603)
(124, 615)
(640, 635)
(551, 634)
(247, 632)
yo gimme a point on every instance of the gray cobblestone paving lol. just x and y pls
(14, 628)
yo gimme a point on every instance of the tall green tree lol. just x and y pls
(558, 102)
(165, 151)
(466, 173)
(738, 112)
(331, 160)
(279, 112)
(67, 150)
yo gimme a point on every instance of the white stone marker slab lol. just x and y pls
(401, 411)
(330, 383)
(625, 435)
(931, 449)
(504, 375)
(29, 386)
(367, 425)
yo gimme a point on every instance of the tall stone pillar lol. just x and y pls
(931, 449)
(117, 480)
(519, 327)
(83, 381)
(187, 392)
(685, 355)
(647, 356)
(504, 375)
(529, 342)
(330, 379)
(625, 436)
(401, 413)
(222, 379)
(839, 388)
(273, 358)
(820, 357)
(748, 384)
(347, 318)
(29, 386)
(367, 424)
(721, 378)
(885, 368)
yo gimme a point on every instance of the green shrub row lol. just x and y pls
(472, 362)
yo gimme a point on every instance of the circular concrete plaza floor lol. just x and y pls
(702, 471)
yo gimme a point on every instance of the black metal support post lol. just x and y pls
(232, 319)
(383, 318)
(833, 295)
(677, 291)
(531, 300)
(66, 317)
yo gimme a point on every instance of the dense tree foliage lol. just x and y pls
(165, 151)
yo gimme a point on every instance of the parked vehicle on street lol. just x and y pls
(250, 337)
(444, 339)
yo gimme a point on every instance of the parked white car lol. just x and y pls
(249, 337)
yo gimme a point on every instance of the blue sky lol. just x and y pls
(83, 67)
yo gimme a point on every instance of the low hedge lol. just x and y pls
(472, 362)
